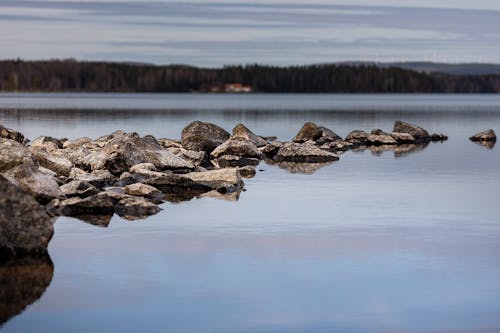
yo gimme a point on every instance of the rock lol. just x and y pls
(123, 151)
(79, 156)
(47, 142)
(272, 149)
(303, 153)
(486, 144)
(380, 139)
(240, 131)
(327, 135)
(98, 178)
(143, 190)
(230, 161)
(79, 188)
(237, 147)
(9, 134)
(403, 137)
(223, 180)
(142, 166)
(338, 146)
(247, 171)
(60, 165)
(173, 183)
(169, 143)
(309, 131)
(438, 137)
(25, 227)
(13, 154)
(201, 136)
(196, 158)
(99, 204)
(23, 281)
(418, 133)
(357, 137)
(38, 184)
(488, 136)
(77, 143)
(135, 208)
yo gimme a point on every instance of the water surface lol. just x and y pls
(372, 243)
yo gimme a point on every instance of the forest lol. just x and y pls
(85, 76)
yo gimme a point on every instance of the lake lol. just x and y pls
(376, 242)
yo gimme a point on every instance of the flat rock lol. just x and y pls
(94, 205)
(202, 136)
(241, 131)
(403, 137)
(25, 227)
(142, 190)
(380, 139)
(223, 180)
(237, 147)
(417, 132)
(488, 135)
(9, 134)
(303, 153)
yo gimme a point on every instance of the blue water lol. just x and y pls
(371, 243)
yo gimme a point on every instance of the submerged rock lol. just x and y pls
(201, 136)
(303, 153)
(25, 227)
(417, 132)
(7, 133)
(487, 136)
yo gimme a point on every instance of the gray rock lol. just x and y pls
(99, 204)
(417, 132)
(14, 154)
(123, 151)
(201, 136)
(39, 185)
(170, 143)
(303, 153)
(327, 135)
(98, 178)
(173, 183)
(488, 135)
(237, 147)
(196, 158)
(223, 180)
(142, 167)
(79, 188)
(80, 142)
(47, 142)
(241, 131)
(52, 161)
(380, 139)
(309, 131)
(142, 190)
(403, 137)
(271, 149)
(77, 155)
(9, 134)
(25, 227)
(357, 137)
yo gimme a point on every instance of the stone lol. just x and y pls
(79, 156)
(403, 137)
(142, 166)
(173, 183)
(38, 184)
(327, 135)
(230, 161)
(13, 154)
(47, 142)
(196, 158)
(309, 131)
(271, 149)
(380, 139)
(77, 143)
(438, 137)
(303, 153)
(98, 178)
(237, 147)
(357, 137)
(417, 132)
(94, 205)
(79, 188)
(123, 151)
(248, 171)
(488, 135)
(170, 143)
(223, 180)
(9, 134)
(241, 131)
(142, 190)
(59, 164)
(135, 208)
(25, 227)
(23, 281)
(202, 136)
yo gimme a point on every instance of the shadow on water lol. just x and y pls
(22, 282)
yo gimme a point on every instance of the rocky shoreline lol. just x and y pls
(129, 175)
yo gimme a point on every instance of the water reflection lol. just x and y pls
(398, 150)
(97, 220)
(22, 282)
(486, 144)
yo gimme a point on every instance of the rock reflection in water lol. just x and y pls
(231, 196)
(398, 150)
(486, 144)
(22, 282)
(97, 220)
(294, 167)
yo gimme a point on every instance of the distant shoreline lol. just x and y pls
(355, 78)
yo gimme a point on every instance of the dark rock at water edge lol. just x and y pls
(486, 136)
(202, 136)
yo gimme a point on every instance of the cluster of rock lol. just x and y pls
(486, 138)
(129, 175)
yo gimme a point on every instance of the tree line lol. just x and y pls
(83, 76)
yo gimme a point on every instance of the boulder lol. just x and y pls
(142, 167)
(417, 132)
(25, 227)
(13, 154)
(403, 137)
(98, 178)
(303, 153)
(487, 136)
(271, 149)
(59, 164)
(237, 147)
(121, 152)
(201, 136)
(77, 155)
(309, 131)
(174, 183)
(38, 184)
(240, 131)
(327, 135)
(79, 188)
(357, 137)
(143, 190)
(47, 142)
(196, 158)
(223, 180)
(9, 134)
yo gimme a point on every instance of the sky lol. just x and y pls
(279, 32)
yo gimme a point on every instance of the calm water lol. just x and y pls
(372, 243)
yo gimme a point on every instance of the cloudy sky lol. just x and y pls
(218, 32)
